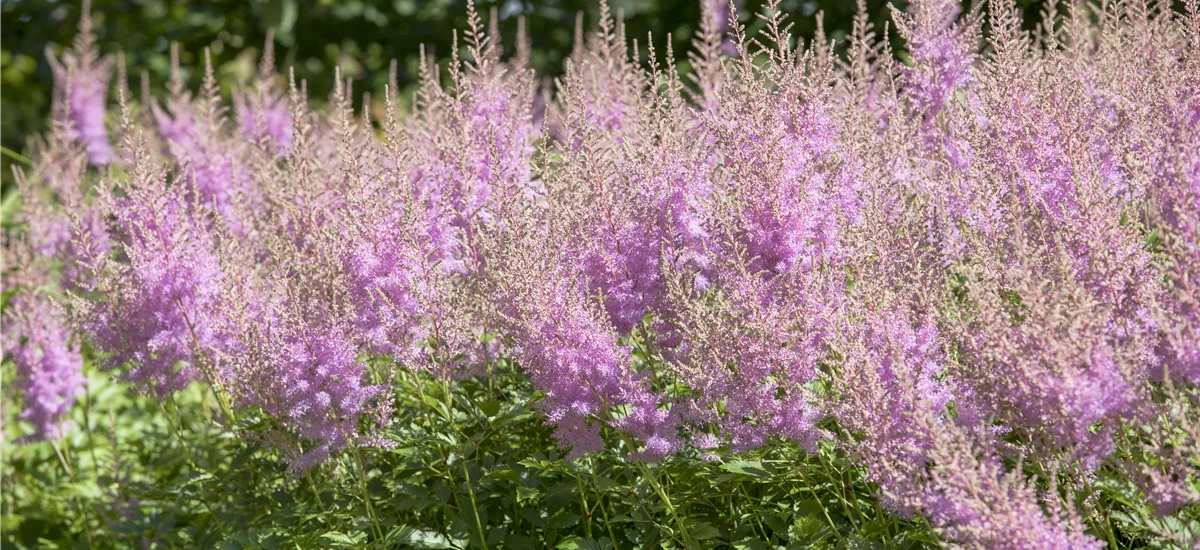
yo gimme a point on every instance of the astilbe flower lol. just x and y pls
(627, 198)
(37, 336)
(304, 192)
(892, 401)
(472, 147)
(403, 277)
(1061, 359)
(263, 113)
(792, 237)
(210, 163)
(1056, 321)
(937, 102)
(62, 224)
(576, 268)
(1174, 189)
(887, 378)
(295, 353)
(571, 352)
(975, 500)
(644, 192)
(318, 283)
(303, 372)
(160, 311)
(605, 82)
(415, 261)
(81, 89)
(784, 190)
(942, 50)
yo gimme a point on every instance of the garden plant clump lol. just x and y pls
(785, 293)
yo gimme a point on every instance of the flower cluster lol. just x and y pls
(972, 265)
(37, 335)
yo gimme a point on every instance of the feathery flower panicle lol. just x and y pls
(472, 147)
(306, 376)
(404, 280)
(397, 273)
(1058, 291)
(925, 461)
(962, 268)
(81, 89)
(160, 311)
(263, 114)
(754, 321)
(316, 287)
(639, 198)
(943, 50)
(1175, 195)
(296, 356)
(37, 336)
(601, 84)
(889, 376)
(571, 353)
(49, 365)
(973, 499)
(63, 225)
(416, 259)
(209, 162)
(1063, 344)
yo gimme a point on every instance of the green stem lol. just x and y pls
(362, 486)
(87, 421)
(474, 505)
(16, 156)
(840, 487)
(603, 509)
(825, 511)
(662, 493)
(62, 460)
(316, 492)
(629, 443)
(176, 427)
(587, 514)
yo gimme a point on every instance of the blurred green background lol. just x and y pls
(361, 36)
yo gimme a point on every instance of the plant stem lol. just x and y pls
(176, 427)
(362, 486)
(18, 157)
(587, 515)
(474, 505)
(62, 459)
(603, 509)
(316, 492)
(662, 493)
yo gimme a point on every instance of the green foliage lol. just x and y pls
(472, 463)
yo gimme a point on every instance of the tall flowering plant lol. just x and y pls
(970, 268)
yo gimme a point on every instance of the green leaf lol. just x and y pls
(562, 520)
(577, 543)
(751, 544)
(753, 468)
(490, 408)
(343, 538)
(193, 478)
(419, 538)
(703, 531)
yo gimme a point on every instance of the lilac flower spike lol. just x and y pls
(81, 79)
(36, 335)
(48, 364)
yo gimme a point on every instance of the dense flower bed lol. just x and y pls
(974, 271)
